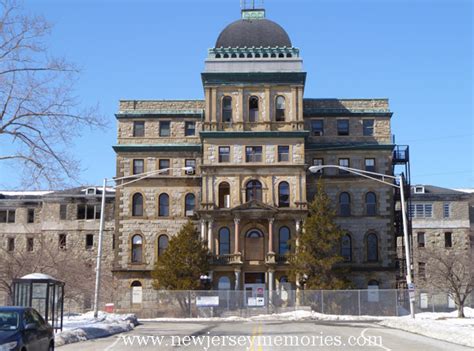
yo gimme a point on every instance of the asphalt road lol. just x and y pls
(260, 336)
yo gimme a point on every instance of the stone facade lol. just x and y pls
(57, 225)
(441, 221)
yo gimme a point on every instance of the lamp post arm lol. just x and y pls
(362, 173)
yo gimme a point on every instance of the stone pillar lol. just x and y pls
(210, 239)
(270, 235)
(236, 236)
(203, 230)
(237, 279)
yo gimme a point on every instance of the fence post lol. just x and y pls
(358, 293)
(322, 301)
(396, 302)
(189, 302)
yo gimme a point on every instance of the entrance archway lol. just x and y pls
(254, 245)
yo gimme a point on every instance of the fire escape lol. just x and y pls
(401, 164)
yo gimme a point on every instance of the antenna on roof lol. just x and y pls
(252, 9)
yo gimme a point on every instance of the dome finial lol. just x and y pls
(252, 9)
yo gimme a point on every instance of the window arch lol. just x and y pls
(224, 195)
(345, 204)
(226, 55)
(253, 109)
(346, 248)
(280, 110)
(372, 247)
(137, 249)
(283, 241)
(162, 244)
(137, 205)
(283, 194)
(254, 190)
(218, 56)
(371, 204)
(234, 55)
(254, 233)
(224, 241)
(227, 109)
(241, 55)
(189, 204)
(164, 205)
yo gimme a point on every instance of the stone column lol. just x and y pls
(270, 235)
(236, 236)
(203, 230)
(210, 239)
(237, 279)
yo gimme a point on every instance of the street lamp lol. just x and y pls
(205, 281)
(372, 176)
(137, 177)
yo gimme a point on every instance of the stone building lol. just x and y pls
(56, 232)
(442, 221)
(250, 142)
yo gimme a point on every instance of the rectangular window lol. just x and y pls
(31, 215)
(89, 241)
(446, 210)
(253, 154)
(421, 210)
(283, 153)
(370, 164)
(317, 127)
(448, 239)
(11, 244)
(30, 244)
(88, 211)
(138, 129)
(421, 239)
(342, 127)
(7, 216)
(62, 211)
(422, 270)
(190, 163)
(62, 241)
(368, 127)
(165, 129)
(189, 128)
(344, 162)
(164, 164)
(318, 162)
(224, 154)
(138, 166)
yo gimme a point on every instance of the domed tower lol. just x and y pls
(253, 137)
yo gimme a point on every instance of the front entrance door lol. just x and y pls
(255, 291)
(254, 245)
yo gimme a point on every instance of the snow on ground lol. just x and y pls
(85, 327)
(442, 326)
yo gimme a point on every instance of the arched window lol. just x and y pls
(283, 194)
(137, 249)
(242, 55)
(289, 55)
(257, 55)
(284, 241)
(372, 248)
(253, 109)
(224, 283)
(224, 195)
(371, 204)
(224, 241)
(234, 55)
(226, 55)
(282, 55)
(227, 109)
(162, 244)
(137, 295)
(137, 205)
(189, 204)
(344, 204)
(346, 248)
(254, 190)
(249, 55)
(164, 205)
(280, 109)
(218, 56)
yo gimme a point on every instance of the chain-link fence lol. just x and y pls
(228, 303)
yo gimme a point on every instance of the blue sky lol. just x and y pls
(417, 53)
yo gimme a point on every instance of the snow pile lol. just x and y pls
(85, 327)
(441, 326)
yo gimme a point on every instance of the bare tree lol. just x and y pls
(73, 265)
(451, 272)
(39, 114)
